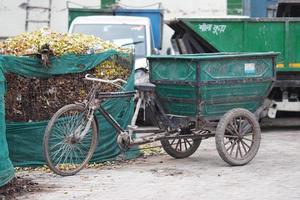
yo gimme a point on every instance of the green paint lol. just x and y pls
(78, 12)
(234, 7)
(6, 167)
(253, 35)
(25, 139)
(107, 3)
(215, 99)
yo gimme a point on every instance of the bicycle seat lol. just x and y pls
(144, 86)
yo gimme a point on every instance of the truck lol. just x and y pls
(140, 29)
(280, 34)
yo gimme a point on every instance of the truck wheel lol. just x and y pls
(238, 137)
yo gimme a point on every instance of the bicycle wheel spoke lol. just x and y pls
(240, 125)
(247, 130)
(177, 144)
(180, 145)
(229, 141)
(67, 153)
(243, 145)
(172, 142)
(239, 148)
(60, 157)
(77, 119)
(62, 125)
(71, 156)
(80, 150)
(247, 139)
(231, 136)
(57, 152)
(231, 147)
(185, 145)
(60, 133)
(230, 130)
(231, 151)
(189, 142)
(83, 149)
(51, 148)
(233, 126)
(74, 123)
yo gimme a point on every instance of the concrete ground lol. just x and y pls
(274, 174)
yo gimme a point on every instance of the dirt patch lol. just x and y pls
(167, 172)
(18, 186)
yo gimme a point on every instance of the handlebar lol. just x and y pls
(91, 78)
(114, 82)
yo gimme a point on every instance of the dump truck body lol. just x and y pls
(249, 35)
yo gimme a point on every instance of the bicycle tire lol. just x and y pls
(65, 169)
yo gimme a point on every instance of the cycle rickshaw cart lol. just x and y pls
(189, 98)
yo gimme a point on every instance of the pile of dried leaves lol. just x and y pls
(59, 43)
(35, 99)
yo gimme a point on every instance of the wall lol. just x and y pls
(12, 16)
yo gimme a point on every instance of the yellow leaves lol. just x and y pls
(60, 43)
(150, 150)
(82, 93)
(111, 70)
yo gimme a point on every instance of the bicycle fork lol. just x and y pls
(86, 128)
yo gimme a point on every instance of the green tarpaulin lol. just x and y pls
(6, 167)
(25, 139)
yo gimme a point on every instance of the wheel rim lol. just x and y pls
(181, 145)
(238, 137)
(66, 151)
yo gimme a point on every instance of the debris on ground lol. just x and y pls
(151, 149)
(16, 187)
(103, 165)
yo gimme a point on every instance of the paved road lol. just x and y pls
(274, 174)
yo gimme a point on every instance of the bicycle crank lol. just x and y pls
(123, 140)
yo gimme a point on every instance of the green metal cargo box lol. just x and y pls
(241, 35)
(208, 85)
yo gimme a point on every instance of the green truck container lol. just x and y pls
(249, 35)
(209, 85)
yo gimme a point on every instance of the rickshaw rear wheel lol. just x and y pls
(238, 137)
(181, 147)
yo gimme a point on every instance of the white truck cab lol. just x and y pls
(133, 32)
